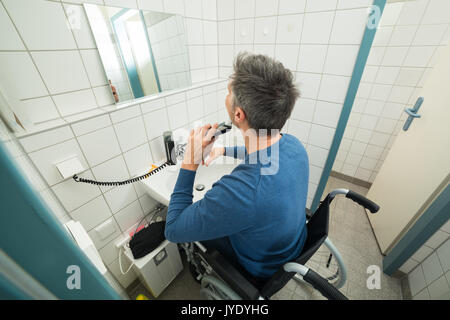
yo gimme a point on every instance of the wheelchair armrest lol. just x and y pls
(233, 278)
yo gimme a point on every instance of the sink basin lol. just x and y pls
(160, 185)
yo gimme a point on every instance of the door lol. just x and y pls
(418, 164)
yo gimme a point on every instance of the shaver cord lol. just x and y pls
(120, 183)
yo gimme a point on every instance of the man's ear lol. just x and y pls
(239, 115)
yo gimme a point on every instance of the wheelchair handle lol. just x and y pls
(366, 203)
(323, 286)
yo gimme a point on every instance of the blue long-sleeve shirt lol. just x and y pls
(260, 206)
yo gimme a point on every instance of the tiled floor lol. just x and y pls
(350, 232)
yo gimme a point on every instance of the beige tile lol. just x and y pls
(284, 294)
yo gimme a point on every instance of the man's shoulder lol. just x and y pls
(294, 144)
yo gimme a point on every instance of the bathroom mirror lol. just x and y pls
(143, 52)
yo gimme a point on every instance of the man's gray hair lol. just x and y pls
(264, 89)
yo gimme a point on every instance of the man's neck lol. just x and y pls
(254, 143)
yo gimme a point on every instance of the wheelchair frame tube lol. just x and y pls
(340, 261)
(335, 192)
(198, 244)
(295, 267)
(320, 284)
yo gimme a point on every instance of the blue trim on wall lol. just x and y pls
(155, 70)
(429, 222)
(33, 237)
(130, 66)
(360, 64)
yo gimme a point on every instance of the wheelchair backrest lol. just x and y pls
(317, 228)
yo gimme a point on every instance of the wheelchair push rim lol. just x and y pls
(328, 263)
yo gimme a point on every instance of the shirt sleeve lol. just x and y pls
(237, 152)
(221, 212)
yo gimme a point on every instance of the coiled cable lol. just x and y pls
(121, 183)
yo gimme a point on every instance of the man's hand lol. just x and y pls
(200, 142)
(214, 154)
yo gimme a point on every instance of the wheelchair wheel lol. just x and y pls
(325, 264)
(215, 289)
(328, 263)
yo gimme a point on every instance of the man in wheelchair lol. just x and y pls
(252, 221)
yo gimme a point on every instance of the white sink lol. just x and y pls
(160, 185)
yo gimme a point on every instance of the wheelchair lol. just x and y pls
(320, 265)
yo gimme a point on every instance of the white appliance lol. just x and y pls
(158, 268)
(83, 240)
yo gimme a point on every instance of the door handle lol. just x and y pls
(412, 113)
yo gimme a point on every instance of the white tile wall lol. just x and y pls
(61, 71)
(131, 133)
(115, 145)
(99, 146)
(24, 81)
(42, 24)
(39, 35)
(10, 35)
(75, 102)
(401, 58)
(168, 39)
(428, 270)
(92, 213)
(45, 158)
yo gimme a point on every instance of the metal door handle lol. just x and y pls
(412, 113)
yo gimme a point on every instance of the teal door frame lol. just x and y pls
(32, 238)
(361, 59)
(429, 222)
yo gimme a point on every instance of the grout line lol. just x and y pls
(146, 132)
(379, 118)
(31, 58)
(120, 107)
(296, 68)
(217, 37)
(92, 172)
(39, 174)
(323, 68)
(203, 39)
(48, 50)
(295, 13)
(66, 92)
(79, 53)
